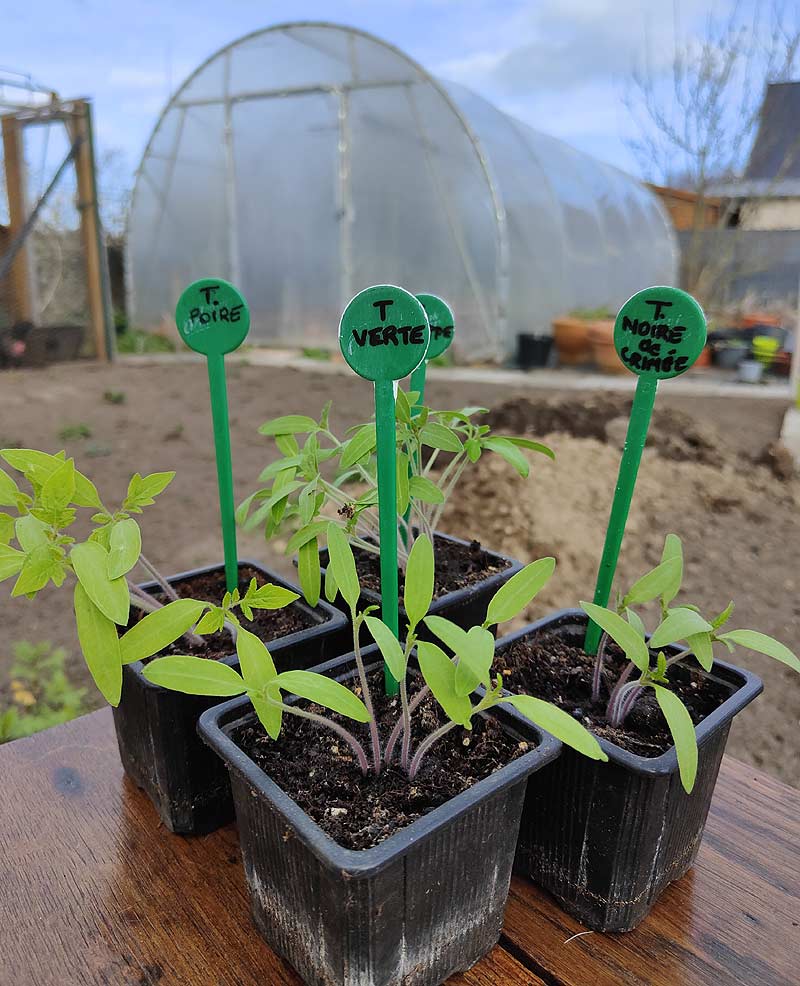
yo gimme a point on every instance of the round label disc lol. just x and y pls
(212, 316)
(441, 321)
(660, 332)
(384, 333)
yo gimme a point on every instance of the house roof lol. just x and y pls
(776, 151)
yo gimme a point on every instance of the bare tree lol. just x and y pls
(697, 122)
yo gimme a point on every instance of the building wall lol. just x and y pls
(771, 214)
(682, 207)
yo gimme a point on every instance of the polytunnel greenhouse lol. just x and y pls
(305, 162)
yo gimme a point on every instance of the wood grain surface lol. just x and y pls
(93, 890)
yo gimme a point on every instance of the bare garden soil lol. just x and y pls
(707, 475)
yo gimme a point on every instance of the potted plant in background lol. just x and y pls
(381, 853)
(571, 334)
(121, 624)
(299, 499)
(606, 843)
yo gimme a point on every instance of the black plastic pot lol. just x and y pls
(533, 351)
(607, 838)
(157, 728)
(426, 903)
(466, 607)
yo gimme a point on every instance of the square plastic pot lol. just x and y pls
(466, 606)
(426, 903)
(157, 728)
(605, 839)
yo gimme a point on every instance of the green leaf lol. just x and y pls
(511, 598)
(509, 451)
(11, 561)
(212, 622)
(126, 546)
(683, 735)
(85, 494)
(473, 449)
(664, 580)
(7, 527)
(266, 506)
(58, 488)
(440, 675)
(401, 484)
(389, 646)
(270, 716)
(474, 661)
(344, 565)
(158, 630)
(439, 436)
(258, 668)
(111, 596)
(325, 692)
(559, 724)
(44, 563)
(762, 644)
(530, 445)
(331, 588)
(31, 532)
(418, 592)
(423, 489)
(305, 534)
(9, 491)
(700, 644)
(635, 621)
(723, 617)
(194, 676)
(36, 466)
(269, 596)
(672, 549)
(678, 625)
(287, 444)
(289, 424)
(280, 465)
(402, 407)
(362, 443)
(309, 571)
(143, 490)
(448, 632)
(632, 643)
(100, 646)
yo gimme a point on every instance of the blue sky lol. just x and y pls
(561, 65)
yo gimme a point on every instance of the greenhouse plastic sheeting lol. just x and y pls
(306, 162)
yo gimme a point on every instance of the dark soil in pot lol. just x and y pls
(607, 838)
(558, 670)
(420, 905)
(458, 565)
(157, 729)
(320, 772)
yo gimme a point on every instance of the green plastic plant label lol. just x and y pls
(384, 333)
(660, 332)
(441, 321)
(212, 317)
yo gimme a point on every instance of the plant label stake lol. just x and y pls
(213, 319)
(442, 324)
(658, 334)
(384, 335)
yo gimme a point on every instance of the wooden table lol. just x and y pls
(94, 891)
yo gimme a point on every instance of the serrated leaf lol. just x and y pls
(439, 436)
(512, 597)
(389, 646)
(762, 644)
(678, 625)
(257, 667)
(289, 424)
(100, 646)
(125, 546)
(325, 692)
(700, 643)
(632, 643)
(509, 452)
(111, 596)
(309, 572)
(440, 675)
(423, 489)
(212, 622)
(194, 676)
(43, 564)
(683, 735)
(559, 724)
(418, 592)
(341, 559)
(158, 630)
(664, 580)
